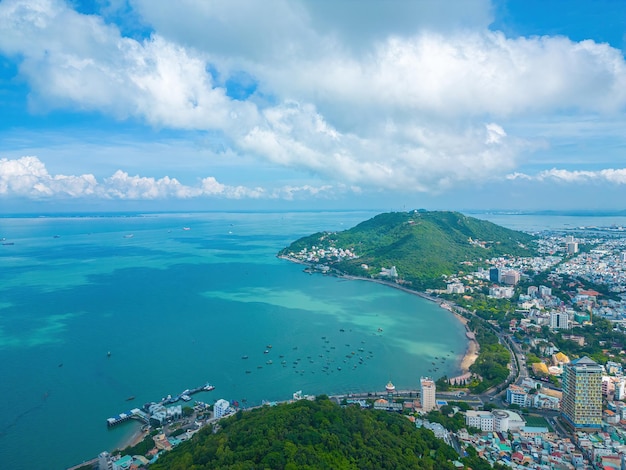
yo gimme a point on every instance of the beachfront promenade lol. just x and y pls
(472, 400)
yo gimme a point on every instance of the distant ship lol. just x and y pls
(130, 398)
(186, 228)
(244, 357)
(129, 235)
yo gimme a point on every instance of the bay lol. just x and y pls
(178, 300)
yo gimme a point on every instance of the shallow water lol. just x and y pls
(177, 308)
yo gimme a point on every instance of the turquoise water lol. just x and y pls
(178, 308)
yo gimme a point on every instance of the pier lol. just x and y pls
(136, 413)
(124, 417)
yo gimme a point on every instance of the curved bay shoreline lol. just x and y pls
(473, 348)
(468, 359)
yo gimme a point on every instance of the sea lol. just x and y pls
(102, 313)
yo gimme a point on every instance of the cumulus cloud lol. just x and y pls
(414, 108)
(609, 175)
(28, 177)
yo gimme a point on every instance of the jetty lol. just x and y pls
(186, 394)
(122, 417)
(136, 413)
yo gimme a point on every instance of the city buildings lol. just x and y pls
(581, 406)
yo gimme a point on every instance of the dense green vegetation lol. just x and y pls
(311, 435)
(422, 245)
(493, 358)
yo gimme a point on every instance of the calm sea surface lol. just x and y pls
(177, 308)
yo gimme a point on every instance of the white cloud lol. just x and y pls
(609, 175)
(419, 108)
(28, 177)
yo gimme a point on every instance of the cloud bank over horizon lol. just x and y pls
(422, 101)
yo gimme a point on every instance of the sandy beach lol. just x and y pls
(135, 439)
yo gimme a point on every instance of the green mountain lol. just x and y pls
(311, 435)
(422, 246)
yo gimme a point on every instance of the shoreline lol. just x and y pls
(135, 438)
(473, 348)
(470, 356)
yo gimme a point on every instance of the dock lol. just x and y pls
(185, 395)
(136, 413)
(124, 417)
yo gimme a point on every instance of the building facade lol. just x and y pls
(559, 320)
(428, 391)
(581, 405)
(494, 275)
(220, 408)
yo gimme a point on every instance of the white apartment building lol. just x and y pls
(482, 420)
(544, 291)
(559, 320)
(496, 420)
(516, 395)
(220, 408)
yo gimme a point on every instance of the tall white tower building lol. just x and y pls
(428, 390)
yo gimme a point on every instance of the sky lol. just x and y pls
(312, 104)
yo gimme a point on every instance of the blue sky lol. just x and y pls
(303, 104)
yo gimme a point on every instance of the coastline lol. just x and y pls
(471, 353)
(138, 436)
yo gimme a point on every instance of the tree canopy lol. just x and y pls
(311, 435)
(422, 245)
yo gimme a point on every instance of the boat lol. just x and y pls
(208, 387)
(109, 354)
(130, 235)
(248, 372)
(269, 362)
(185, 397)
(380, 330)
(267, 351)
(244, 357)
(186, 228)
(130, 398)
(269, 346)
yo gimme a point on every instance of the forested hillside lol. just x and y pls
(422, 245)
(312, 435)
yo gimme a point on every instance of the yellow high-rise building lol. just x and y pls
(581, 405)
